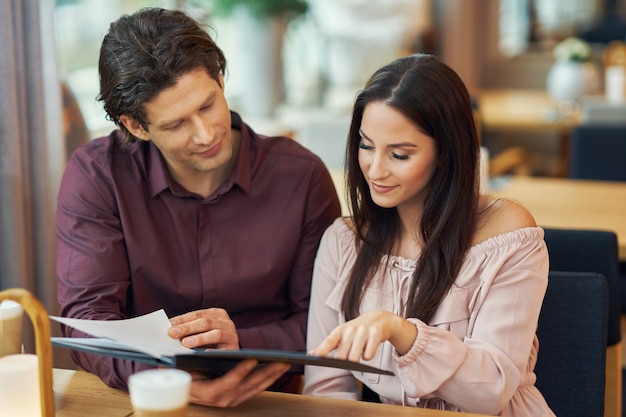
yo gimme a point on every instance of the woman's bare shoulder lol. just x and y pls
(498, 216)
(350, 223)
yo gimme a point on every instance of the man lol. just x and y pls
(185, 208)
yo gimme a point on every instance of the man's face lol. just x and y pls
(190, 124)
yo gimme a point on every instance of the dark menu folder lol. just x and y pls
(145, 339)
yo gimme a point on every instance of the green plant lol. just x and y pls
(572, 49)
(260, 8)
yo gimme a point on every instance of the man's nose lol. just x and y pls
(202, 131)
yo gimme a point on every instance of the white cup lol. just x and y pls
(11, 318)
(159, 393)
(19, 386)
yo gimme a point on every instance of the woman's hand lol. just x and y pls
(236, 386)
(211, 327)
(360, 337)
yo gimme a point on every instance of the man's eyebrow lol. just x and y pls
(168, 123)
(393, 145)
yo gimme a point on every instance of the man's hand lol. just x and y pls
(211, 327)
(237, 385)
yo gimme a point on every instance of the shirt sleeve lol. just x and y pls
(323, 381)
(92, 267)
(483, 371)
(322, 207)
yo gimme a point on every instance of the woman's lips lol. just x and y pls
(381, 189)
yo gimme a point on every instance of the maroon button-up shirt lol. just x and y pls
(130, 240)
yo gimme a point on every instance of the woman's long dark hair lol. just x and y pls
(434, 98)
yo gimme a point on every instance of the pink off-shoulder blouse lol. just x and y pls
(478, 352)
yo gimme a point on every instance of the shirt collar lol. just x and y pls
(241, 173)
(159, 177)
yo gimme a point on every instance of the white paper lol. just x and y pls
(147, 333)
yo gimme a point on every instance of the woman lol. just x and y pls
(428, 278)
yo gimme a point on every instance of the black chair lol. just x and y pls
(598, 152)
(595, 251)
(572, 334)
(589, 251)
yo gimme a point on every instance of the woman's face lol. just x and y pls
(395, 156)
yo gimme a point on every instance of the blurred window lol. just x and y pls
(538, 24)
(80, 26)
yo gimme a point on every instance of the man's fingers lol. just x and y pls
(258, 381)
(217, 392)
(210, 339)
(205, 331)
(239, 384)
(209, 313)
(191, 327)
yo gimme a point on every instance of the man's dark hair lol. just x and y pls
(146, 52)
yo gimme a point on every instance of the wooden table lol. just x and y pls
(522, 111)
(80, 394)
(572, 204)
(503, 112)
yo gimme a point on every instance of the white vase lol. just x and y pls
(260, 53)
(566, 80)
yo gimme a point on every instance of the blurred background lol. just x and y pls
(302, 81)
(296, 73)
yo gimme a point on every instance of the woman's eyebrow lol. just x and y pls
(393, 145)
(403, 145)
(364, 135)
